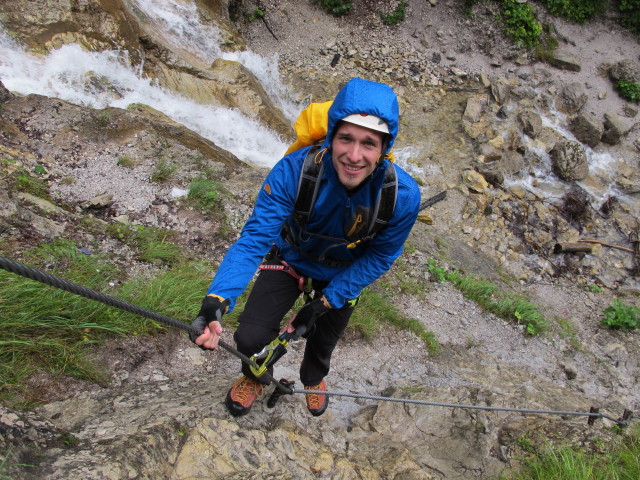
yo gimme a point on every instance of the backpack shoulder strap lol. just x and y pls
(308, 184)
(386, 203)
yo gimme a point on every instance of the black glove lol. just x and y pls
(211, 311)
(305, 320)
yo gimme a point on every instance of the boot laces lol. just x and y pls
(245, 389)
(315, 400)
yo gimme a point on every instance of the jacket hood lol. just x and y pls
(365, 96)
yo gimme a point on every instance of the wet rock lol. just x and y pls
(501, 91)
(587, 129)
(569, 161)
(5, 94)
(530, 122)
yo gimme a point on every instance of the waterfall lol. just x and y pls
(66, 73)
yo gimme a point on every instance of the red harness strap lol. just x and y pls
(285, 267)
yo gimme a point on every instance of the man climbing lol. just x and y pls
(332, 231)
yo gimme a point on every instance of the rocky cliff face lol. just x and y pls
(486, 139)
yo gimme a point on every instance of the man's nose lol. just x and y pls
(354, 152)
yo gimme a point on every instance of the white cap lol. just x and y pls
(367, 121)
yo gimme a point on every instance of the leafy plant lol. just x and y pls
(336, 7)
(395, 17)
(579, 11)
(628, 90)
(520, 23)
(256, 14)
(621, 316)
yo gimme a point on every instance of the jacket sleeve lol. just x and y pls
(274, 204)
(382, 251)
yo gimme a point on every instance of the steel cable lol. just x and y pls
(54, 281)
(621, 422)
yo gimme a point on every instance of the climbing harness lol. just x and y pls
(304, 283)
(272, 352)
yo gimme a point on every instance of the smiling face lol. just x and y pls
(355, 152)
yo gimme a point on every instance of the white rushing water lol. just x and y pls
(65, 73)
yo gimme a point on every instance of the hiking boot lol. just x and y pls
(242, 394)
(317, 403)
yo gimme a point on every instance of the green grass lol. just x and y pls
(152, 243)
(126, 161)
(164, 171)
(206, 193)
(515, 308)
(621, 462)
(374, 310)
(45, 328)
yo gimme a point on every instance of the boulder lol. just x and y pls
(569, 161)
(530, 122)
(228, 84)
(587, 129)
(572, 98)
(625, 70)
(565, 61)
(501, 91)
(476, 105)
(615, 127)
(507, 166)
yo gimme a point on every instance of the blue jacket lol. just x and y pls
(333, 210)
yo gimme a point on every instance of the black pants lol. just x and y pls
(272, 296)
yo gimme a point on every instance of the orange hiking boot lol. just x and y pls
(242, 394)
(317, 403)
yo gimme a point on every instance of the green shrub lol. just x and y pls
(628, 90)
(396, 16)
(521, 24)
(621, 316)
(630, 10)
(579, 11)
(336, 7)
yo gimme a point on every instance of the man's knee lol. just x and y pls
(250, 338)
